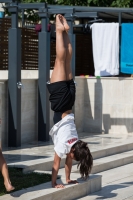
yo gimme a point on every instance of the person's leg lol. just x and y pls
(62, 45)
(59, 72)
(4, 171)
(68, 45)
(68, 70)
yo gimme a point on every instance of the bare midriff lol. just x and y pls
(66, 113)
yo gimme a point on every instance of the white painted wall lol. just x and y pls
(108, 105)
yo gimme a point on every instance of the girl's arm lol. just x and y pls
(55, 169)
(68, 167)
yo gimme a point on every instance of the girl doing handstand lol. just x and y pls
(62, 97)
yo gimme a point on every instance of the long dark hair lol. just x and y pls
(83, 155)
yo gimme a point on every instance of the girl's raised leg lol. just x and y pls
(68, 45)
(59, 72)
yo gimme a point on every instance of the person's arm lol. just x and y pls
(68, 167)
(55, 169)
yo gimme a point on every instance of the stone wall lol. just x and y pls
(102, 106)
(107, 107)
(29, 111)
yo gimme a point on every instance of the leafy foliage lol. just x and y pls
(102, 3)
(31, 15)
(122, 3)
(73, 2)
(111, 3)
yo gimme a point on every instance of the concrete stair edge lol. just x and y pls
(44, 191)
(102, 164)
(110, 162)
(46, 164)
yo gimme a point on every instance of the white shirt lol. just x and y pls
(64, 135)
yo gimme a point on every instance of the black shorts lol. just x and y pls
(62, 95)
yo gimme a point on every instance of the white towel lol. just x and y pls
(105, 39)
(1, 7)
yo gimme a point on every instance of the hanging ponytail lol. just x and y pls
(83, 155)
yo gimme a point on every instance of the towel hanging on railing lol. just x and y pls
(105, 39)
(127, 48)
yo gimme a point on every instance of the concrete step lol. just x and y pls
(44, 191)
(105, 163)
(109, 162)
(46, 164)
(113, 161)
(117, 184)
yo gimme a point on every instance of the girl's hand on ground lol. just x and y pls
(72, 181)
(58, 186)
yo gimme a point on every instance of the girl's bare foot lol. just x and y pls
(61, 23)
(65, 24)
(8, 186)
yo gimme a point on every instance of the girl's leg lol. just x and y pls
(59, 72)
(4, 171)
(68, 70)
(68, 45)
(62, 71)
